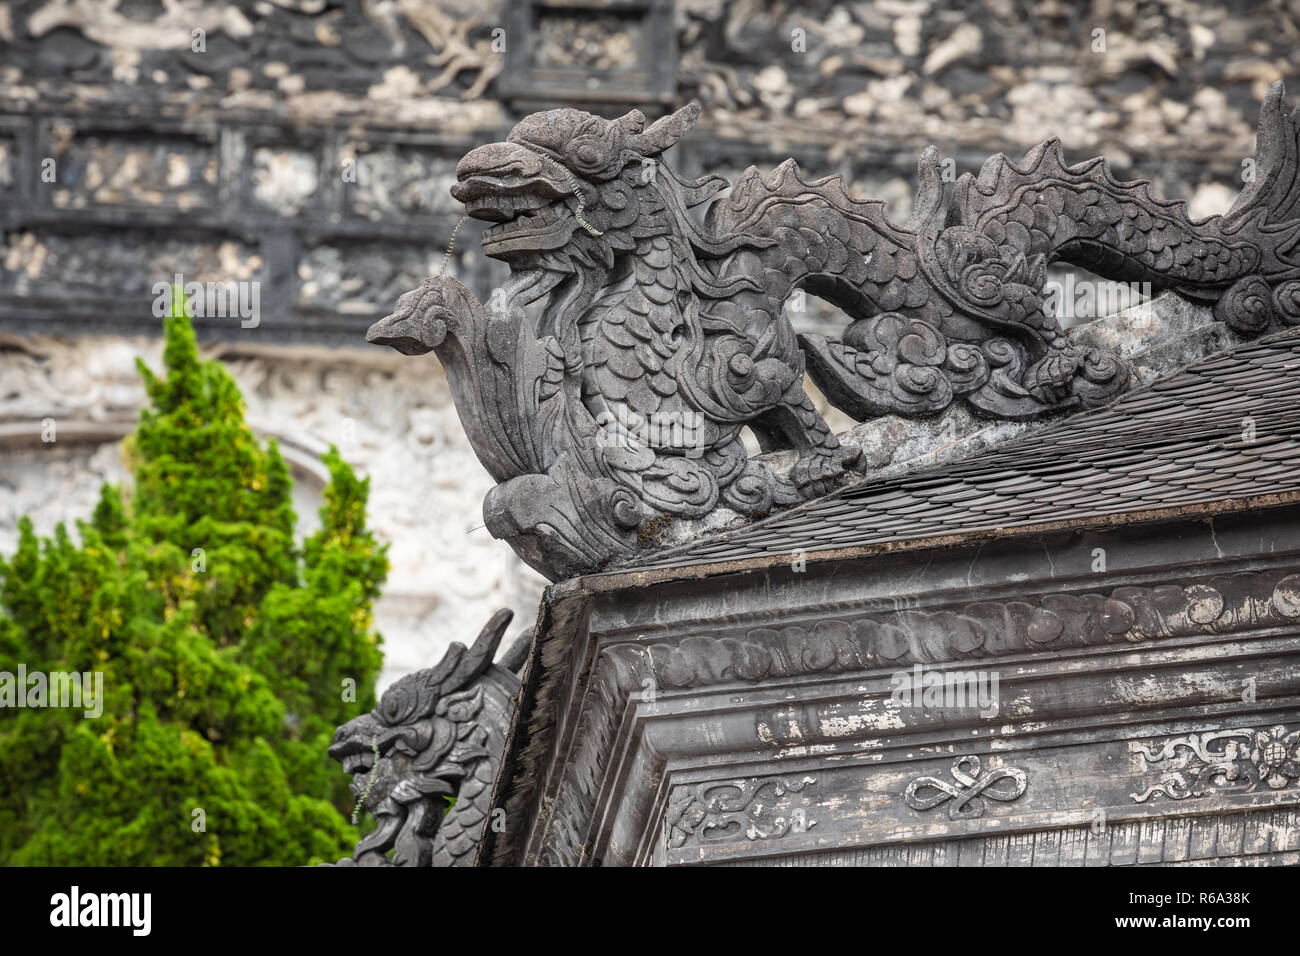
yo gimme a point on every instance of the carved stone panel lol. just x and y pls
(1224, 761)
(624, 51)
(715, 812)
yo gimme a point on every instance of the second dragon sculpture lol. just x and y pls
(437, 734)
(624, 397)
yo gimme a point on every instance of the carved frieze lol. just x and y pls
(74, 263)
(1251, 838)
(120, 169)
(730, 810)
(981, 629)
(969, 788)
(1224, 761)
(561, 52)
(716, 692)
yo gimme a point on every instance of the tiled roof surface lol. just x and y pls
(1179, 442)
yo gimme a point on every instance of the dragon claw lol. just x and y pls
(1051, 379)
(821, 472)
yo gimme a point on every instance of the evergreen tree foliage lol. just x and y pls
(228, 653)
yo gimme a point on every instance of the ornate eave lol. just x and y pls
(1105, 522)
(775, 675)
(611, 417)
(1138, 650)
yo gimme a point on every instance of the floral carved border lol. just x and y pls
(1225, 761)
(1120, 616)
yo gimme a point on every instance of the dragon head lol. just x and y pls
(433, 733)
(568, 192)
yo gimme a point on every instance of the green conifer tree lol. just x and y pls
(228, 654)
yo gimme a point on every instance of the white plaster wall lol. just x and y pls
(391, 417)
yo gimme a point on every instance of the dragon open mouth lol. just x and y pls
(504, 205)
(521, 193)
(358, 762)
(525, 214)
(528, 220)
(533, 204)
(355, 749)
(542, 225)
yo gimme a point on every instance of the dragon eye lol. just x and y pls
(587, 153)
(397, 704)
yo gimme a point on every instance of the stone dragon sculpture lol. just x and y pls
(623, 399)
(436, 733)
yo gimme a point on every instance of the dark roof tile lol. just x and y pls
(1178, 442)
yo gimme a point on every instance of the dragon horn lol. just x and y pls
(633, 122)
(667, 130)
(470, 665)
(1273, 188)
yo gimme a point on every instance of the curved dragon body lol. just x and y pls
(661, 339)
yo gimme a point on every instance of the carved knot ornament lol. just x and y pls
(621, 398)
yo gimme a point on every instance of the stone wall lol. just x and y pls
(304, 149)
(308, 144)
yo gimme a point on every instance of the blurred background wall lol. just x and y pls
(307, 146)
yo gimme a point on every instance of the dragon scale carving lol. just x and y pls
(437, 733)
(623, 398)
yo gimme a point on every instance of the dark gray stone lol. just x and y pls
(1144, 711)
(437, 733)
(620, 406)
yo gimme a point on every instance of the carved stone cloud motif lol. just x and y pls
(620, 404)
(724, 810)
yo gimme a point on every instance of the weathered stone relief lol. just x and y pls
(676, 673)
(1124, 615)
(728, 810)
(1266, 836)
(1224, 761)
(1179, 87)
(399, 57)
(968, 790)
